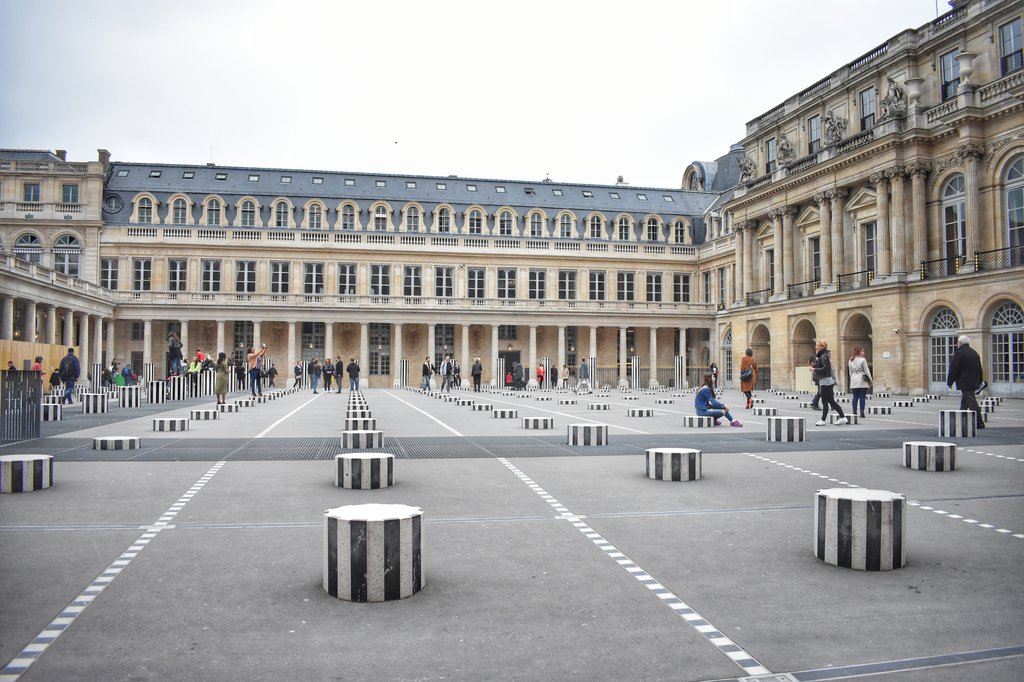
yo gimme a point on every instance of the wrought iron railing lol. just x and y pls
(802, 289)
(758, 297)
(855, 280)
(942, 267)
(999, 259)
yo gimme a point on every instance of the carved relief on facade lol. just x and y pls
(747, 169)
(476, 341)
(894, 104)
(998, 144)
(835, 127)
(786, 152)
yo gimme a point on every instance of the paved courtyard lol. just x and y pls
(199, 556)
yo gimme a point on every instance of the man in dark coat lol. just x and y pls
(965, 371)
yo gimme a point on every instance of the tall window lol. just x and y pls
(179, 212)
(281, 214)
(597, 285)
(814, 257)
(444, 220)
(595, 227)
(654, 287)
(280, 277)
(348, 217)
(567, 285)
(444, 342)
(108, 273)
(313, 279)
(380, 280)
(653, 229)
(867, 108)
(28, 247)
(211, 276)
(380, 218)
(769, 156)
(572, 336)
(706, 281)
(67, 251)
(142, 270)
(870, 255)
(538, 285)
(412, 219)
(506, 283)
(313, 334)
(626, 290)
(681, 288)
(248, 214)
(347, 279)
(69, 194)
(953, 223)
(213, 212)
(507, 332)
(242, 338)
(624, 229)
(1008, 344)
(380, 348)
(1015, 206)
(769, 268)
(813, 134)
(536, 225)
(30, 193)
(722, 272)
(245, 276)
(412, 285)
(476, 222)
(679, 232)
(475, 283)
(145, 210)
(565, 226)
(505, 224)
(444, 282)
(177, 274)
(315, 217)
(942, 343)
(1010, 46)
(950, 69)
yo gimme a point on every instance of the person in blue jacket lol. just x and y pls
(707, 406)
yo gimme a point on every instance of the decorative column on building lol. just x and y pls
(825, 235)
(7, 317)
(882, 234)
(780, 251)
(220, 338)
(560, 356)
(396, 361)
(683, 358)
(593, 354)
(740, 286)
(329, 341)
(976, 240)
(919, 211)
(147, 345)
(364, 351)
(464, 362)
(110, 339)
(652, 378)
(183, 337)
(69, 328)
(900, 238)
(838, 257)
(30, 322)
(623, 377)
(83, 341)
(256, 324)
(51, 325)
(97, 340)
(292, 357)
(495, 380)
(532, 383)
(748, 258)
(431, 342)
(788, 259)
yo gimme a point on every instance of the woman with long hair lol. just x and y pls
(825, 373)
(748, 375)
(706, 405)
(220, 380)
(860, 379)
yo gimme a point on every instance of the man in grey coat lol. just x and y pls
(965, 371)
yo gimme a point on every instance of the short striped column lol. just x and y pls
(360, 424)
(483, 407)
(640, 412)
(787, 429)
(464, 402)
(673, 464)
(903, 403)
(245, 402)
(204, 414)
(505, 414)
(94, 403)
(373, 552)
(587, 434)
(664, 401)
(761, 411)
(116, 443)
(567, 401)
(926, 456)
(958, 424)
(544, 398)
(170, 424)
(598, 406)
(695, 421)
(358, 414)
(879, 409)
(156, 392)
(129, 396)
(25, 473)
(362, 440)
(51, 412)
(177, 388)
(228, 407)
(631, 397)
(364, 472)
(538, 422)
(861, 529)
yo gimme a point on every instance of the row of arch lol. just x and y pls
(412, 217)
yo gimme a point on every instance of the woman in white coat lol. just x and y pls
(860, 380)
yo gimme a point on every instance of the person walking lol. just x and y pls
(553, 376)
(518, 376)
(315, 372)
(174, 352)
(328, 372)
(565, 377)
(456, 373)
(826, 374)
(70, 370)
(748, 376)
(446, 374)
(220, 381)
(428, 371)
(339, 369)
(965, 371)
(714, 374)
(860, 379)
(816, 400)
(353, 374)
(271, 374)
(540, 376)
(298, 373)
(584, 375)
(706, 405)
(477, 372)
(254, 360)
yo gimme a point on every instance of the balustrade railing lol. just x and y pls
(802, 289)
(942, 267)
(758, 297)
(999, 259)
(856, 280)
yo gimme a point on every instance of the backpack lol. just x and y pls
(67, 369)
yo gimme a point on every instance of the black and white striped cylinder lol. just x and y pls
(929, 456)
(483, 407)
(631, 397)
(861, 529)
(587, 434)
(369, 471)
(206, 381)
(566, 401)
(170, 424)
(805, 404)
(598, 406)
(177, 388)
(640, 412)
(882, 394)
(504, 414)
(602, 395)
(850, 418)
(203, 414)
(879, 409)
(958, 424)
(156, 391)
(787, 429)
(673, 464)
(903, 403)
(51, 412)
(464, 402)
(148, 372)
(762, 411)
(451, 398)
(921, 399)
(116, 443)
(358, 414)
(538, 422)
(373, 552)
(129, 396)
(94, 403)
(695, 421)
(228, 407)
(245, 402)
(53, 399)
(664, 401)
(260, 399)
(25, 473)
(360, 424)
(544, 398)
(362, 440)
(757, 401)
(96, 377)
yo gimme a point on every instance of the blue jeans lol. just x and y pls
(69, 391)
(254, 382)
(860, 396)
(353, 383)
(316, 380)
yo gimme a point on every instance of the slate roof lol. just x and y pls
(28, 155)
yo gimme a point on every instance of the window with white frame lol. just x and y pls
(380, 349)
(67, 252)
(476, 222)
(347, 279)
(412, 284)
(565, 226)
(595, 227)
(280, 277)
(505, 224)
(145, 212)
(315, 217)
(626, 286)
(722, 289)
(1007, 346)
(597, 285)
(380, 218)
(654, 287)
(536, 225)
(679, 232)
(177, 274)
(210, 280)
(30, 193)
(769, 156)
(706, 281)
(248, 217)
(444, 220)
(245, 276)
(813, 133)
(942, 336)
(412, 219)
(108, 273)
(313, 279)
(281, 214)
(506, 283)
(348, 217)
(380, 279)
(179, 212)
(538, 285)
(681, 288)
(954, 227)
(444, 281)
(213, 212)
(475, 279)
(814, 257)
(142, 270)
(1011, 44)
(867, 108)
(567, 285)
(624, 229)
(653, 229)
(69, 193)
(869, 245)
(1014, 193)
(949, 67)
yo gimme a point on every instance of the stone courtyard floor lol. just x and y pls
(200, 555)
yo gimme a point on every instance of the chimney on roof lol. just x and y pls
(61, 154)
(104, 156)
(210, 164)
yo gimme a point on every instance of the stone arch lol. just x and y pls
(761, 343)
(801, 346)
(855, 331)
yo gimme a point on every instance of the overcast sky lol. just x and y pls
(580, 91)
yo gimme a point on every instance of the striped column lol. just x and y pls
(861, 529)
(206, 380)
(94, 403)
(362, 440)
(116, 443)
(170, 424)
(678, 372)
(787, 429)
(373, 552)
(364, 472)
(51, 412)
(129, 396)
(634, 372)
(157, 391)
(96, 377)
(587, 434)
(957, 424)
(148, 372)
(177, 388)
(673, 464)
(929, 456)
(25, 473)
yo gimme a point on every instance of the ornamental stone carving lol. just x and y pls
(894, 104)
(747, 169)
(919, 168)
(786, 152)
(835, 126)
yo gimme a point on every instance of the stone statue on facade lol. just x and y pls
(786, 151)
(747, 169)
(894, 104)
(834, 127)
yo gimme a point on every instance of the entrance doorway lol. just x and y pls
(507, 358)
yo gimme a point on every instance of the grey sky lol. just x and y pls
(584, 91)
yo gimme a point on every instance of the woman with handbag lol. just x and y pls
(748, 375)
(860, 379)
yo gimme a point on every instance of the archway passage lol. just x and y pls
(761, 344)
(856, 333)
(801, 354)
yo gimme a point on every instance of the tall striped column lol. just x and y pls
(177, 388)
(96, 377)
(861, 529)
(156, 391)
(678, 372)
(129, 396)
(373, 552)
(148, 372)
(634, 372)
